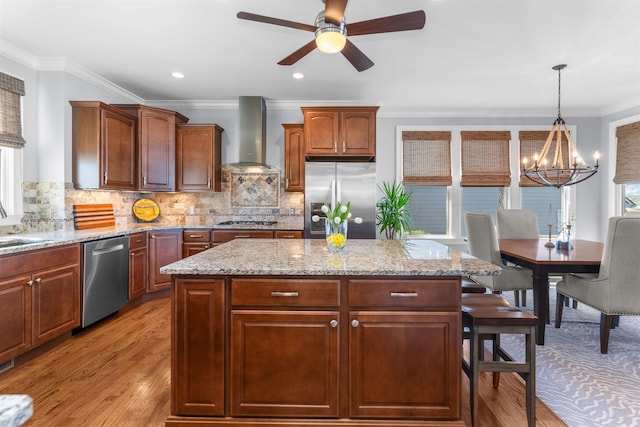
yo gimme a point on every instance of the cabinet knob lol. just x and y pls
(30, 283)
(132, 254)
(355, 323)
(333, 323)
(38, 280)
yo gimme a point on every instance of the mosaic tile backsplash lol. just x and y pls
(48, 206)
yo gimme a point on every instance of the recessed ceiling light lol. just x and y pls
(177, 75)
(298, 76)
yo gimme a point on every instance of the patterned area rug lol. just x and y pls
(583, 387)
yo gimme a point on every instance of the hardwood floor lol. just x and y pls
(118, 374)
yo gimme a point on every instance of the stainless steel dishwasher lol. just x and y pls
(105, 279)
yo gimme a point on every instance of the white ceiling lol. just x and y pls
(473, 56)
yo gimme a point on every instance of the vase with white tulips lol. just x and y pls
(336, 220)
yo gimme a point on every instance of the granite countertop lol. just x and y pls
(311, 257)
(15, 409)
(63, 237)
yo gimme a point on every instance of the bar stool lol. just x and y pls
(486, 316)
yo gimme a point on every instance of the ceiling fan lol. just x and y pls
(331, 31)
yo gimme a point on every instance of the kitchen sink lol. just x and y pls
(247, 223)
(10, 242)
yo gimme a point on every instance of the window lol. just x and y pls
(11, 140)
(426, 172)
(475, 175)
(628, 165)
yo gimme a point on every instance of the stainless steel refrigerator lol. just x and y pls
(330, 182)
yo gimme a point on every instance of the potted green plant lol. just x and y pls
(393, 217)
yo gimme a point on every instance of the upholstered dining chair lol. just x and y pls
(615, 290)
(517, 224)
(483, 244)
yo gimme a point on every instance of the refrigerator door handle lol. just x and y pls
(338, 191)
(333, 193)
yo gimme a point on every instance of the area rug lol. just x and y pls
(583, 387)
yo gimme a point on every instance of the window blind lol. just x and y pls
(531, 142)
(628, 154)
(11, 89)
(485, 159)
(426, 158)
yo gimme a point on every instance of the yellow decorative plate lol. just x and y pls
(146, 209)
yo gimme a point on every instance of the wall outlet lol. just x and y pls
(192, 210)
(292, 211)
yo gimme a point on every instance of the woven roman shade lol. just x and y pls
(628, 154)
(11, 89)
(531, 142)
(485, 159)
(426, 158)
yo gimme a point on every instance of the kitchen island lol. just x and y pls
(283, 333)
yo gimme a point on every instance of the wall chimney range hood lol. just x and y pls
(252, 144)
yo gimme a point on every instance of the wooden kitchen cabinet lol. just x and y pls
(292, 326)
(294, 151)
(198, 157)
(197, 380)
(195, 241)
(103, 147)
(164, 248)
(388, 315)
(40, 297)
(221, 236)
(138, 264)
(340, 132)
(288, 234)
(156, 145)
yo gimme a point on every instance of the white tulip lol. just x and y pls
(324, 208)
(343, 208)
(315, 218)
(349, 216)
(337, 220)
(358, 220)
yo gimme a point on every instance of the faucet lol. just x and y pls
(3, 213)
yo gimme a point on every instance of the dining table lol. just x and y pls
(583, 256)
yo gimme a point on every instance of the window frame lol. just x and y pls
(454, 192)
(11, 185)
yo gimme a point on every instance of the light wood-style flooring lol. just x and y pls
(118, 373)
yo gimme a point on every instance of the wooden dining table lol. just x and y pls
(583, 257)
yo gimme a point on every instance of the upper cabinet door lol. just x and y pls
(103, 147)
(358, 133)
(198, 153)
(321, 132)
(293, 157)
(334, 132)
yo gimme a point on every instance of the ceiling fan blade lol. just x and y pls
(334, 11)
(354, 55)
(298, 54)
(388, 24)
(275, 21)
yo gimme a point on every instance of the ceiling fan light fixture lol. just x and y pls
(330, 38)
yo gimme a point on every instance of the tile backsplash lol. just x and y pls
(48, 206)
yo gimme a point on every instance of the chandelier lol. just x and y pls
(558, 164)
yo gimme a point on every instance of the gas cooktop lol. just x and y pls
(248, 223)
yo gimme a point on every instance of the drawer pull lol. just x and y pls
(284, 294)
(241, 236)
(403, 294)
(196, 236)
(333, 323)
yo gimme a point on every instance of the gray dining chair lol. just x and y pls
(483, 243)
(615, 290)
(517, 224)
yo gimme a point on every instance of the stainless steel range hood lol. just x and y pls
(252, 144)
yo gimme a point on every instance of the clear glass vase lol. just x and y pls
(336, 235)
